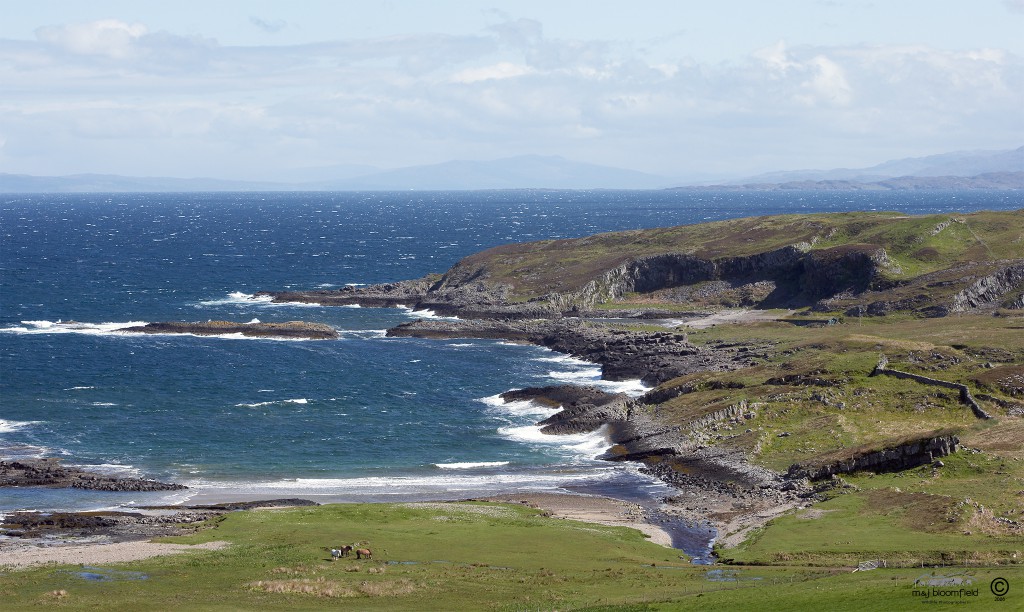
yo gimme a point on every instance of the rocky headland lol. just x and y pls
(752, 418)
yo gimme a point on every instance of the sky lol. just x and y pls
(688, 89)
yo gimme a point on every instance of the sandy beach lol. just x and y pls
(25, 555)
(591, 509)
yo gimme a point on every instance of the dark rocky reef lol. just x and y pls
(894, 457)
(653, 357)
(126, 526)
(386, 295)
(289, 329)
(50, 473)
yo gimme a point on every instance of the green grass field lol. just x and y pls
(470, 557)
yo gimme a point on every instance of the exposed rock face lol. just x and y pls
(1006, 284)
(50, 473)
(290, 329)
(796, 275)
(902, 456)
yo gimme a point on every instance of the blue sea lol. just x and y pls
(363, 418)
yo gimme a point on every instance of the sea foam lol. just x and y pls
(470, 465)
(7, 426)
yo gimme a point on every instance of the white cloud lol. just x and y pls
(501, 70)
(108, 37)
(424, 98)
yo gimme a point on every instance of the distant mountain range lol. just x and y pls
(988, 180)
(960, 170)
(961, 163)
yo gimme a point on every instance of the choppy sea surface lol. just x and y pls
(364, 418)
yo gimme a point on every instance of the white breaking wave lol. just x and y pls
(118, 329)
(633, 388)
(420, 487)
(110, 469)
(586, 445)
(524, 408)
(589, 375)
(71, 327)
(470, 465)
(238, 298)
(585, 372)
(7, 426)
(300, 400)
(363, 333)
(426, 313)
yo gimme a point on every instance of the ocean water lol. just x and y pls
(363, 418)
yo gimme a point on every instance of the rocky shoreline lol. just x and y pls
(653, 357)
(56, 528)
(713, 485)
(50, 473)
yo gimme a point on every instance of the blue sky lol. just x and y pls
(680, 88)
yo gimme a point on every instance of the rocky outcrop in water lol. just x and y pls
(386, 295)
(50, 473)
(583, 409)
(299, 330)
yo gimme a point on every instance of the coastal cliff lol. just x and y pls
(862, 263)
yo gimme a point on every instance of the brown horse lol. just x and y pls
(363, 552)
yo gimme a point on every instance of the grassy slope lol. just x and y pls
(494, 558)
(538, 268)
(909, 517)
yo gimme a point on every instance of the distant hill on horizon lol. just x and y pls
(521, 172)
(954, 164)
(958, 170)
(989, 180)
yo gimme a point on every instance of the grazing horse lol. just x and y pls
(337, 553)
(363, 552)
